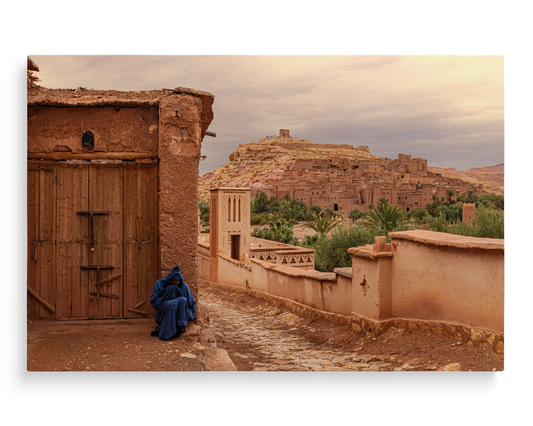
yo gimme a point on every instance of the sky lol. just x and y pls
(446, 109)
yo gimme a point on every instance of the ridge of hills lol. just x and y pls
(257, 164)
(492, 177)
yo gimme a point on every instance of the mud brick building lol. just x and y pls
(112, 197)
(343, 184)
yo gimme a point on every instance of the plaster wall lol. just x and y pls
(322, 291)
(432, 282)
(365, 298)
(115, 129)
(234, 272)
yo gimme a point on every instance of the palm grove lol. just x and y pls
(334, 235)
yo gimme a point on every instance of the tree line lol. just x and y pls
(334, 236)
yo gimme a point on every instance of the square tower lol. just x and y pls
(229, 224)
(284, 133)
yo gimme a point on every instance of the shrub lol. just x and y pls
(333, 253)
(484, 225)
(356, 214)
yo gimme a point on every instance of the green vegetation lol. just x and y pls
(332, 251)
(440, 217)
(323, 223)
(264, 209)
(385, 218)
(278, 230)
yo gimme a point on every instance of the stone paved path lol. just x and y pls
(261, 337)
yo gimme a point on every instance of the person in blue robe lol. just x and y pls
(175, 305)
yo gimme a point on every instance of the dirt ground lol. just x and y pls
(123, 345)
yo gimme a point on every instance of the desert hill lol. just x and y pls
(258, 163)
(492, 177)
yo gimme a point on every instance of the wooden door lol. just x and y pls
(97, 226)
(141, 261)
(104, 248)
(41, 302)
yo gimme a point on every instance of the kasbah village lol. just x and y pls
(115, 203)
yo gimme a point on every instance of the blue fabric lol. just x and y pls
(175, 305)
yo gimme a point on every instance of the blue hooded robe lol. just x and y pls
(175, 305)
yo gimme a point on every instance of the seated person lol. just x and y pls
(175, 305)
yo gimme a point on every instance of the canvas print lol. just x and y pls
(265, 213)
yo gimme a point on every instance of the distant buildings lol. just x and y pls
(342, 184)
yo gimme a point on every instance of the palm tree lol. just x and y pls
(387, 218)
(323, 223)
(281, 230)
(470, 197)
(382, 201)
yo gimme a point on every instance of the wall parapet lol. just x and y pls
(449, 240)
(294, 272)
(235, 262)
(460, 280)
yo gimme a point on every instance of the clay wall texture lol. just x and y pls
(463, 285)
(115, 129)
(433, 277)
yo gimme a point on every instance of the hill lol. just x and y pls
(258, 163)
(492, 177)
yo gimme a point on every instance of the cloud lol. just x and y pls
(448, 109)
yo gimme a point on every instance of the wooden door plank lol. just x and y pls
(105, 194)
(141, 261)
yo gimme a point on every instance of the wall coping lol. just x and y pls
(295, 272)
(368, 252)
(449, 240)
(204, 244)
(345, 272)
(294, 251)
(235, 262)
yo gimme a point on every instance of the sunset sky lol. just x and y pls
(447, 109)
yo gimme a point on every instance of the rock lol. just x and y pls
(499, 347)
(199, 347)
(474, 335)
(455, 366)
(192, 330)
(187, 355)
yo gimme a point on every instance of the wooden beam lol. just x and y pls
(137, 311)
(139, 304)
(108, 280)
(92, 156)
(112, 296)
(40, 299)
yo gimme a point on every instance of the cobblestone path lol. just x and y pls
(261, 337)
